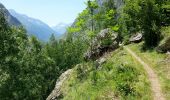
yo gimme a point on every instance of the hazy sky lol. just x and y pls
(51, 12)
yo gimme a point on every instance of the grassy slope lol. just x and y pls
(166, 31)
(119, 78)
(159, 62)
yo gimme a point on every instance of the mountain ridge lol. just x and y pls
(10, 19)
(61, 28)
(34, 26)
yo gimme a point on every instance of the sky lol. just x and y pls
(51, 12)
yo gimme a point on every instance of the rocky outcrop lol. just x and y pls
(56, 93)
(136, 38)
(165, 47)
(106, 40)
(118, 3)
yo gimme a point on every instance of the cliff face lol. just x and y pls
(118, 3)
(100, 2)
(10, 19)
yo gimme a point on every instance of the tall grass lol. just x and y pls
(160, 64)
(121, 77)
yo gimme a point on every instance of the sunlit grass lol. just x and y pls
(160, 64)
(121, 77)
(166, 31)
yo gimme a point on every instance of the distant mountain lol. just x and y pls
(10, 19)
(61, 28)
(34, 26)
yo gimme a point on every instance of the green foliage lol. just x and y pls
(66, 52)
(26, 70)
(165, 11)
(107, 14)
(142, 16)
(82, 71)
(115, 28)
(129, 17)
(29, 69)
(125, 78)
(159, 63)
(120, 77)
(92, 5)
(91, 34)
(150, 23)
(107, 41)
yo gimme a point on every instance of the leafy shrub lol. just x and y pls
(82, 72)
(125, 78)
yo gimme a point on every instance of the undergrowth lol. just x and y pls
(160, 64)
(121, 77)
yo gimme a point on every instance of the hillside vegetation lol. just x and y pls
(160, 64)
(120, 77)
(29, 69)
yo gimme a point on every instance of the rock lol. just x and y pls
(136, 38)
(102, 60)
(106, 40)
(165, 47)
(118, 3)
(57, 90)
(99, 62)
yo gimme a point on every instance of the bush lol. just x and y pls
(125, 78)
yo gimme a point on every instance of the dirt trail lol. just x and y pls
(155, 85)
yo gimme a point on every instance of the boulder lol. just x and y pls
(56, 93)
(106, 40)
(164, 47)
(136, 38)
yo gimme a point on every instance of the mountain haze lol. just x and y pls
(61, 28)
(34, 27)
(10, 19)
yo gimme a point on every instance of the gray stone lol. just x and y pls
(136, 38)
(57, 90)
(164, 47)
(106, 40)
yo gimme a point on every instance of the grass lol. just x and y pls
(3, 77)
(166, 33)
(160, 64)
(121, 77)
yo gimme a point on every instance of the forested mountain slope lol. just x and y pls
(11, 20)
(35, 27)
(61, 28)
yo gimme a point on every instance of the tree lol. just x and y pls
(150, 22)
(142, 16)
(91, 6)
(27, 71)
